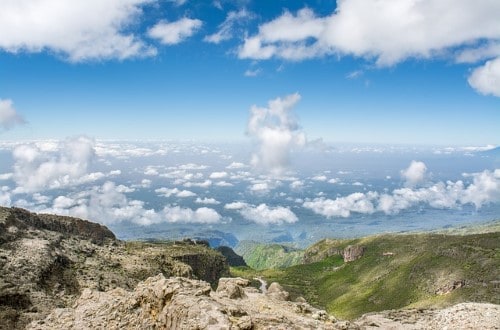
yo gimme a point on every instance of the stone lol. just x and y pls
(232, 288)
(353, 252)
(276, 291)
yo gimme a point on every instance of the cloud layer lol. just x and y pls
(485, 188)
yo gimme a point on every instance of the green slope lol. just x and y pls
(419, 266)
(265, 256)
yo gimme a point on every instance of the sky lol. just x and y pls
(358, 71)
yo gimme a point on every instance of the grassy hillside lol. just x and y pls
(266, 256)
(396, 271)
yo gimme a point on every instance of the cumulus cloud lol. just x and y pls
(486, 78)
(106, 204)
(415, 173)
(207, 200)
(276, 133)
(227, 28)
(171, 33)
(35, 169)
(385, 30)
(218, 175)
(6, 176)
(78, 30)
(341, 206)
(8, 114)
(235, 205)
(265, 215)
(484, 189)
(203, 215)
(167, 192)
(235, 165)
(388, 32)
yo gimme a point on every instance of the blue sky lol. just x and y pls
(148, 69)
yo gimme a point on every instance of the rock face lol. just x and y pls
(47, 261)
(461, 316)
(232, 258)
(353, 252)
(179, 303)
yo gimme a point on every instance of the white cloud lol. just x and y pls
(207, 200)
(191, 166)
(342, 206)
(185, 194)
(178, 3)
(106, 204)
(486, 78)
(63, 202)
(388, 32)
(227, 28)
(484, 189)
(252, 73)
(224, 184)
(235, 206)
(6, 176)
(385, 30)
(35, 170)
(276, 133)
(235, 165)
(204, 184)
(319, 178)
(170, 33)
(8, 115)
(415, 173)
(265, 215)
(203, 215)
(260, 187)
(78, 30)
(297, 184)
(218, 175)
(167, 192)
(5, 197)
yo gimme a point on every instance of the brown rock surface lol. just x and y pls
(353, 252)
(179, 303)
(46, 261)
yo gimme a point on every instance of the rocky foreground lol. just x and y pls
(180, 303)
(65, 273)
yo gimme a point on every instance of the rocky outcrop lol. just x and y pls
(321, 250)
(461, 316)
(353, 252)
(47, 261)
(67, 226)
(276, 291)
(179, 303)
